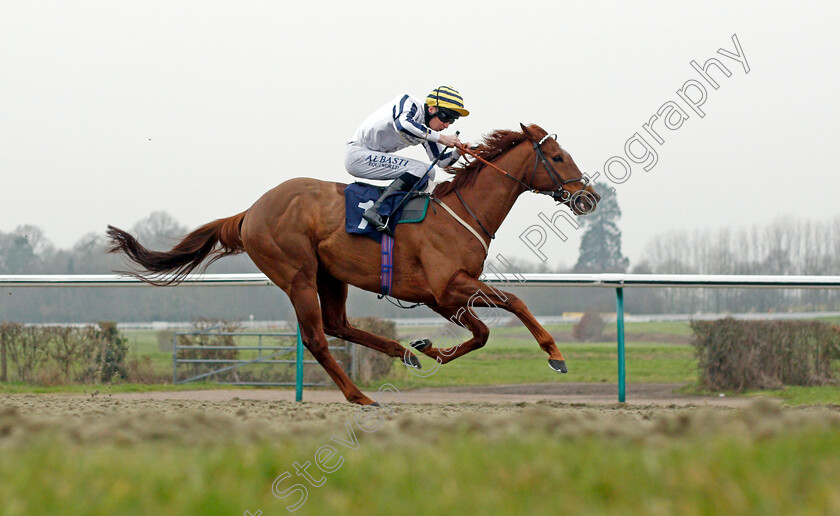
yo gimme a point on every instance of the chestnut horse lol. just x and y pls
(295, 235)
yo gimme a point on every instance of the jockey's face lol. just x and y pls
(434, 122)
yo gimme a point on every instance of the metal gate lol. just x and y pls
(265, 354)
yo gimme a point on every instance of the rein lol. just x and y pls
(492, 236)
(558, 181)
(464, 148)
(564, 194)
(463, 223)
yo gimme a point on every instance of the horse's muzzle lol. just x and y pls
(583, 202)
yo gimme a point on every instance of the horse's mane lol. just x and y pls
(491, 147)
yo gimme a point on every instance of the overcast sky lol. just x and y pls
(111, 110)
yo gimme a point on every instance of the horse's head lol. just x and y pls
(556, 174)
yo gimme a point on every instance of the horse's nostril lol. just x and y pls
(586, 205)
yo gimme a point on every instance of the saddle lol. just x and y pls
(360, 196)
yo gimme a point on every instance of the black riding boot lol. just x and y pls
(403, 183)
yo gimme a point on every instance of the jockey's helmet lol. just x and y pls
(448, 100)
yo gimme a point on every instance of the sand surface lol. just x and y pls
(643, 394)
(221, 417)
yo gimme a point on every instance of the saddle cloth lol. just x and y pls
(360, 196)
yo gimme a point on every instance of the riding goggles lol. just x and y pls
(447, 116)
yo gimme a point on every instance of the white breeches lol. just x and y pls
(370, 164)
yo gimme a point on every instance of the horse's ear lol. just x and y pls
(527, 131)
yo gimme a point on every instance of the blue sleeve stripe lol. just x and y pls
(401, 128)
(420, 127)
(401, 103)
(418, 132)
(410, 117)
(405, 122)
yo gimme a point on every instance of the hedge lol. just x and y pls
(739, 355)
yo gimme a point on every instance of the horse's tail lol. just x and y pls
(171, 267)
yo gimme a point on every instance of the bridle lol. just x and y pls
(560, 194)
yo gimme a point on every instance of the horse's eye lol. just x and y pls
(557, 159)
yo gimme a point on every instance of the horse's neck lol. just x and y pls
(492, 195)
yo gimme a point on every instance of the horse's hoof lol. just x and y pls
(412, 361)
(558, 365)
(421, 344)
(363, 400)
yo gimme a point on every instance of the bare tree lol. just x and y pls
(70, 347)
(28, 349)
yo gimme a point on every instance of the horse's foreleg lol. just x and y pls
(468, 320)
(333, 295)
(464, 290)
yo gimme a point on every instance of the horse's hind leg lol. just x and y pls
(333, 295)
(304, 298)
(300, 286)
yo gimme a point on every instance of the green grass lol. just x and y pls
(797, 395)
(592, 362)
(663, 328)
(790, 473)
(513, 356)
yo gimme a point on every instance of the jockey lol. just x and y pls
(395, 126)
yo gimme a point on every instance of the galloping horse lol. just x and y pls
(295, 234)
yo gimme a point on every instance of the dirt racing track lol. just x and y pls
(651, 394)
(241, 415)
(221, 416)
